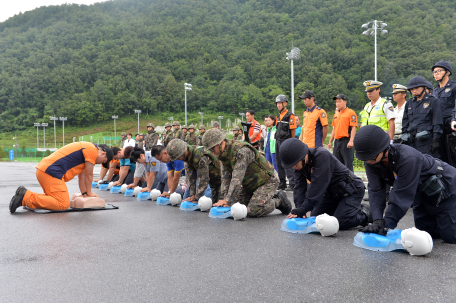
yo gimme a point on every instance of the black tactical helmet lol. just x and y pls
(292, 151)
(281, 98)
(429, 85)
(370, 141)
(417, 81)
(445, 64)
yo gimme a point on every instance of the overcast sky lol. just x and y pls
(9, 8)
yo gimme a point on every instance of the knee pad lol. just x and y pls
(204, 203)
(416, 242)
(175, 199)
(238, 211)
(327, 225)
(154, 194)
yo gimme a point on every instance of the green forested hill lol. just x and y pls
(89, 62)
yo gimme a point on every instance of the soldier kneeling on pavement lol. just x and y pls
(333, 190)
(417, 179)
(202, 169)
(247, 177)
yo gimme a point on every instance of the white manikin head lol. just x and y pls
(136, 191)
(110, 185)
(238, 211)
(327, 225)
(123, 188)
(154, 194)
(204, 203)
(175, 199)
(416, 242)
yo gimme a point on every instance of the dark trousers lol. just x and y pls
(344, 154)
(424, 147)
(347, 210)
(439, 222)
(280, 170)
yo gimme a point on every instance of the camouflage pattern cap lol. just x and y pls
(236, 128)
(123, 134)
(151, 125)
(191, 126)
(176, 148)
(176, 123)
(167, 124)
(213, 137)
(216, 123)
(202, 127)
(184, 126)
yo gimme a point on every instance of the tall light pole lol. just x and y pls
(375, 25)
(220, 118)
(201, 113)
(63, 119)
(138, 111)
(37, 125)
(115, 131)
(171, 119)
(293, 55)
(242, 116)
(44, 125)
(55, 138)
(15, 145)
(187, 86)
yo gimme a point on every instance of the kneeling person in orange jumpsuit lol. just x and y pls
(52, 172)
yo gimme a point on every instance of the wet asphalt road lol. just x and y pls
(143, 252)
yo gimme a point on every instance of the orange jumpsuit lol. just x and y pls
(53, 171)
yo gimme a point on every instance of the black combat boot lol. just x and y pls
(16, 201)
(285, 204)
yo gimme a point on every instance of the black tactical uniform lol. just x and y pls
(417, 179)
(333, 190)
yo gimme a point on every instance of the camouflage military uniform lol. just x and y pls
(248, 178)
(201, 165)
(238, 137)
(192, 139)
(151, 139)
(178, 134)
(168, 137)
(140, 142)
(123, 140)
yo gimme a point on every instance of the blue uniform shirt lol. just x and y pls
(446, 96)
(176, 166)
(126, 162)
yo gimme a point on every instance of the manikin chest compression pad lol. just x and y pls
(375, 242)
(190, 206)
(163, 201)
(300, 225)
(220, 212)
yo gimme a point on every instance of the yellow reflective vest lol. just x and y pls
(375, 117)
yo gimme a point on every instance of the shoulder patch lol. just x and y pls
(391, 108)
(447, 89)
(353, 117)
(425, 105)
(318, 107)
(323, 115)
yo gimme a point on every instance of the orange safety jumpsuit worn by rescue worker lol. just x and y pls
(53, 171)
(313, 120)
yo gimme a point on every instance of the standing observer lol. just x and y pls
(344, 125)
(269, 140)
(255, 129)
(314, 122)
(400, 97)
(286, 128)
